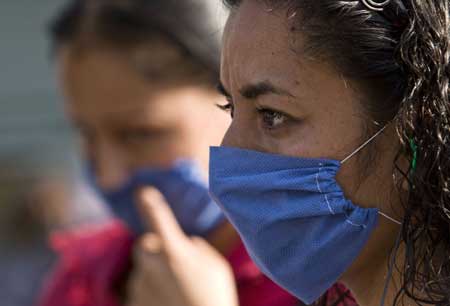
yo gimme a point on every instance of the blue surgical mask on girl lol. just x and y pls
(292, 215)
(184, 189)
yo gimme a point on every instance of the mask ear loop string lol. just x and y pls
(357, 151)
(390, 218)
(363, 145)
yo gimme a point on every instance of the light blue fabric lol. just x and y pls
(184, 189)
(294, 219)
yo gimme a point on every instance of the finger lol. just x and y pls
(201, 243)
(157, 213)
(149, 243)
(149, 259)
(148, 252)
(206, 248)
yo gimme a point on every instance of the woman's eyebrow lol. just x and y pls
(253, 91)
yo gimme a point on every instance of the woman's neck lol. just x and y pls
(369, 284)
(369, 290)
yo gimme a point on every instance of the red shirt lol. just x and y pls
(93, 259)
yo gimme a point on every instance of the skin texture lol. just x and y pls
(127, 121)
(175, 269)
(314, 112)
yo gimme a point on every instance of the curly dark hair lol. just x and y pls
(401, 55)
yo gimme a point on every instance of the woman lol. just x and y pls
(139, 77)
(336, 163)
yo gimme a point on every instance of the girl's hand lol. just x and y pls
(172, 269)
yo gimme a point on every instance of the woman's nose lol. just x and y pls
(236, 137)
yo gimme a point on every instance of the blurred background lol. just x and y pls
(42, 188)
(39, 176)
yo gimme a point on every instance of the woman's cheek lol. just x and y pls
(290, 141)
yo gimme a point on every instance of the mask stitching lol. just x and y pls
(328, 202)
(320, 190)
(355, 224)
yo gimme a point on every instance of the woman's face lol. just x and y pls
(127, 121)
(286, 102)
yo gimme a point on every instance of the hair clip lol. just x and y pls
(377, 5)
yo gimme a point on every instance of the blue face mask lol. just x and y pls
(293, 217)
(184, 189)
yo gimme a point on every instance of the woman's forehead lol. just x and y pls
(256, 44)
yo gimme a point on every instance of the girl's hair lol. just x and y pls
(402, 56)
(190, 25)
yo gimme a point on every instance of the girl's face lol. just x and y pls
(127, 121)
(286, 102)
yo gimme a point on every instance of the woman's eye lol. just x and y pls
(229, 108)
(272, 119)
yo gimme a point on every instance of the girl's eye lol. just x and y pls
(272, 119)
(141, 135)
(229, 108)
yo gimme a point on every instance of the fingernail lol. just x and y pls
(151, 195)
